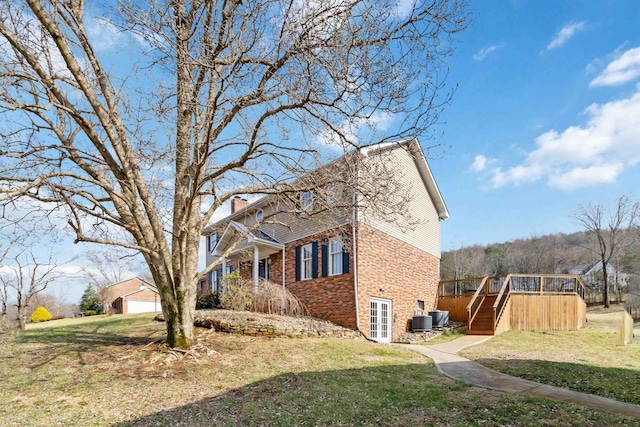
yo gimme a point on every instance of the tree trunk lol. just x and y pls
(605, 290)
(179, 322)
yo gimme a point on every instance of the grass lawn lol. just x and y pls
(113, 371)
(587, 360)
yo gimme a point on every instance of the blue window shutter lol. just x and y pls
(208, 243)
(345, 261)
(210, 279)
(314, 259)
(345, 254)
(297, 263)
(325, 258)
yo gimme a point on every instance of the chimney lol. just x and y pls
(238, 203)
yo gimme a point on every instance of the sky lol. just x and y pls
(546, 117)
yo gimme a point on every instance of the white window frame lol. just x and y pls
(306, 262)
(335, 268)
(259, 215)
(306, 201)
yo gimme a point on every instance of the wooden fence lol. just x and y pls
(625, 335)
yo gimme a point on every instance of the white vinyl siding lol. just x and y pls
(306, 262)
(335, 256)
(426, 234)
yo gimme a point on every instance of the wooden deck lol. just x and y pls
(492, 305)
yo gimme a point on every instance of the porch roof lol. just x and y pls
(249, 240)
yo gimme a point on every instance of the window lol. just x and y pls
(306, 262)
(335, 256)
(334, 194)
(306, 201)
(215, 281)
(420, 305)
(259, 215)
(212, 241)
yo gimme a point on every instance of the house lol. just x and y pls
(350, 265)
(133, 296)
(592, 275)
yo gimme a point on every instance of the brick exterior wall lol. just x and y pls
(125, 287)
(331, 298)
(394, 270)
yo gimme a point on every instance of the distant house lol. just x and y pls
(592, 275)
(133, 296)
(357, 270)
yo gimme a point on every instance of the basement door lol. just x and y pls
(380, 324)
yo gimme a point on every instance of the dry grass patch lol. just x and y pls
(587, 360)
(115, 371)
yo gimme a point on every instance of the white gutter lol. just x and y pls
(355, 249)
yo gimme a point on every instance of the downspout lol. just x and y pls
(355, 248)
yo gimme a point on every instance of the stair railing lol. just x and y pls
(476, 301)
(501, 301)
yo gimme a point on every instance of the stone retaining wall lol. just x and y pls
(270, 325)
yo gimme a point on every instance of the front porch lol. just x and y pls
(492, 305)
(252, 248)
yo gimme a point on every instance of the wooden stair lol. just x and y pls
(482, 323)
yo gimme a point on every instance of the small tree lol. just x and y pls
(89, 300)
(612, 229)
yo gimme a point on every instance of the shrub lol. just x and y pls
(40, 315)
(237, 296)
(89, 312)
(207, 300)
(273, 298)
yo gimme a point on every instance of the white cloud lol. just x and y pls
(103, 34)
(586, 177)
(479, 163)
(485, 51)
(565, 34)
(579, 156)
(351, 129)
(624, 68)
(405, 7)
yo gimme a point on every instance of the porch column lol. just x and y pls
(283, 269)
(224, 271)
(256, 262)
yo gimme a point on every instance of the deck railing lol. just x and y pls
(501, 301)
(519, 283)
(476, 300)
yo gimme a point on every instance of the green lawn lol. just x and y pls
(114, 371)
(587, 360)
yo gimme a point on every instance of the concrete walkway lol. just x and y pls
(449, 363)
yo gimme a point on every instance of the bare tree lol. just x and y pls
(27, 277)
(612, 229)
(219, 99)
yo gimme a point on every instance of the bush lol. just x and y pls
(237, 296)
(89, 312)
(271, 298)
(207, 300)
(40, 315)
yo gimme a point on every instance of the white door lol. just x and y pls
(380, 324)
